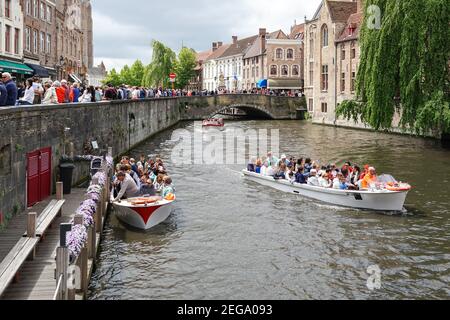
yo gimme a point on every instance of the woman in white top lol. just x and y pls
(88, 95)
(50, 96)
(28, 98)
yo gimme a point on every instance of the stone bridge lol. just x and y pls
(255, 106)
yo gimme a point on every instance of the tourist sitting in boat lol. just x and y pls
(284, 160)
(272, 160)
(312, 179)
(128, 187)
(159, 183)
(308, 166)
(280, 174)
(127, 169)
(167, 187)
(300, 176)
(147, 186)
(370, 179)
(251, 166)
(258, 166)
(324, 181)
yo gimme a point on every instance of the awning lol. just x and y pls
(281, 84)
(262, 84)
(75, 78)
(14, 67)
(39, 70)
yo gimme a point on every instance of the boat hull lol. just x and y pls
(143, 217)
(377, 201)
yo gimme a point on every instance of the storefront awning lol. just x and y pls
(39, 70)
(15, 68)
(75, 78)
(290, 84)
(262, 84)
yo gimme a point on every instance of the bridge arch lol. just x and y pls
(253, 111)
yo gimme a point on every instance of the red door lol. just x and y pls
(39, 174)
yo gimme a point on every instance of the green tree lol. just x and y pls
(187, 61)
(137, 73)
(126, 76)
(163, 63)
(113, 77)
(404, 67)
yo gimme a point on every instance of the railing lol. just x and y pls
(72, 277)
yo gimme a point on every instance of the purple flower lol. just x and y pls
(76, 239)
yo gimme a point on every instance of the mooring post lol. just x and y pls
(31, 232)
(62, 261)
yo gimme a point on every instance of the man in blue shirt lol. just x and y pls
(3, 95)
(11, 89)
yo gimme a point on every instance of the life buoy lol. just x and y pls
(142, 201)
(400, 188)
(170, 197)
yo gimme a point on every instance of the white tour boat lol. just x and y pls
(144, 212)
(378, 200)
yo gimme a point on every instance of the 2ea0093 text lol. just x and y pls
(227, 310)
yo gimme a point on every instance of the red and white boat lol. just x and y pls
(213, 123)
(144, 212)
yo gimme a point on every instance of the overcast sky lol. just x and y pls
(123, 30)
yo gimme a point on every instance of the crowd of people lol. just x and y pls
(147, 177)
(34, 91)
(306, 171)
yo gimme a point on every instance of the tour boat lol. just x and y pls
(213, 123)
(377, 200)
(144, 212)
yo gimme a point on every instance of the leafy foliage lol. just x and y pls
(163, 63)
(404, 67)
(187, 61)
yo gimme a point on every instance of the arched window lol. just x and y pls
(290, 54)
(324, 36)
(279, 54)
(295, 70)
(284, 70)
(273, 70)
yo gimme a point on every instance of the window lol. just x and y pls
(8, 39)
(16, 41)
(28, 39)
(284, 70)
(257, 60)
(42, 11)
(253, 72)
(342, 81)
(290, 54)
(35, 8)
(324, 107)
(8, 8)
(295, 70)
(324, 36)
(342, 51)
(311, 74)
(35, 41)
(325, 78)
(311, 105)
(311, 45)
(28, 7)
(353, 50)
(49, 43)
(49, 14)
(279, 54)
(42, 42)
(257, 72)
(273, 70)
(352, 88)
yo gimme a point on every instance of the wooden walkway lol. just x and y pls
(37, 277)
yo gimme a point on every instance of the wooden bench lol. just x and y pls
(23, 250)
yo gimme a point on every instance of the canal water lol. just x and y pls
(233, 239)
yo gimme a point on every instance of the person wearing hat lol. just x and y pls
(370, 178)
(313, 180)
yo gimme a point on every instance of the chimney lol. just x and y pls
(359, 5)
(219, 44)
(214, 46)
(235, 39)
(262, 36)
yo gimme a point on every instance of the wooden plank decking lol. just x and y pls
(37, 277)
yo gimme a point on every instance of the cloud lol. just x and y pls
(123, 31)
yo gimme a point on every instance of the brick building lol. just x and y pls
(331, 57)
